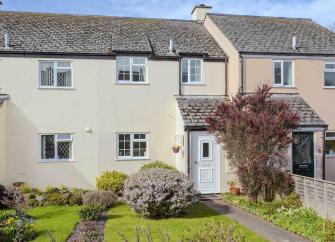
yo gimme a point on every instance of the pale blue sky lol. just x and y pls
(322, 11)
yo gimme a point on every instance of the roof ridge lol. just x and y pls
(259, 16)
(96, 15)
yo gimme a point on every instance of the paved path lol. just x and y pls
(267, 230)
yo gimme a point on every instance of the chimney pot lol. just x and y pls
(199, 12)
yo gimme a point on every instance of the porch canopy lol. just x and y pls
(195, 109)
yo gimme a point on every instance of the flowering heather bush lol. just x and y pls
(105, 199)
(159, 192)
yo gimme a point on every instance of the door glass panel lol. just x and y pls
(303, 154)
(205, 150)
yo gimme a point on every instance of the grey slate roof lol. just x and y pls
(195, 109)
(274, 34)
(102, 35)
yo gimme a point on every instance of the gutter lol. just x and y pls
(286, 54)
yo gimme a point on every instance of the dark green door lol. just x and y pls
(303, 154)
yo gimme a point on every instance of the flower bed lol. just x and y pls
(290, 215)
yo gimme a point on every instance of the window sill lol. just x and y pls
(193, 84)
(132, 83)
(57, 88)
(56, 161)
(287, 87)
(133, 159)
(329, 87)
(330, 156)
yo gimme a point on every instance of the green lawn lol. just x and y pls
(123, 220)
(60, 221)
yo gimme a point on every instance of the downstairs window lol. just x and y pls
(330, 144)
(56, 147)
(132, 146)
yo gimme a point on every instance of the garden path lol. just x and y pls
(265, 229)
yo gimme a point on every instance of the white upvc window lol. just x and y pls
(132, 146)
(131, 70)
(55, 74)
(329, 74)
(191, 71)
(56, 147)
(283, 73)
(330, 144)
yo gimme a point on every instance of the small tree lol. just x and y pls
(255, 132)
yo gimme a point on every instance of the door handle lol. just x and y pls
(195, 162)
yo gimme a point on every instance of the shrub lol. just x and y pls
(90, 213)
(159, 193)
(105, 199)
(19, 228)
(51, 190)
(3, 195)
(157, 164)
(216, 231)
(90, 232)
(111, 181)
(26, 188)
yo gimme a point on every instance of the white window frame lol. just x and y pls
(327, 70)
(55, 74)
(131, 70)
(131, 157)
(56, 140)
(189, 72)
(329, 138)
(282, 73)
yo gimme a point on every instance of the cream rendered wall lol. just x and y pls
(3, 143)
(228, 48)
(97, 102)
(213, 78)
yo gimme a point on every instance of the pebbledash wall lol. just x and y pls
(95, 102)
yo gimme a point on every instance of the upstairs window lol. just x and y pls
(55, 74)
(191, 71)
(131, 69)
(330, 144)
(283, 73)
(56, 147)
(132, 146)
(329, 74)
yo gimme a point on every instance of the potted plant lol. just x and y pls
(233, 189)
(175, 148)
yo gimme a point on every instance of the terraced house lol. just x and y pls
(85, 94)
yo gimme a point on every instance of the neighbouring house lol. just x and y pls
(84, 94)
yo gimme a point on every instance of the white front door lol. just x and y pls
(204, 162)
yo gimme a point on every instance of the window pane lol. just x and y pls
(205, 150)
(123, 69)
(47, 73)
(139, 61)
(330, 147)
(64, 78)
(277, 73)
(64, 136)
(330, 79)
(64, 150)
(287, 73)
(47, 147)
(195, 68)
(184, 70)
(64, 64)
(330, 66)
(138, 73)
(330, 134)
